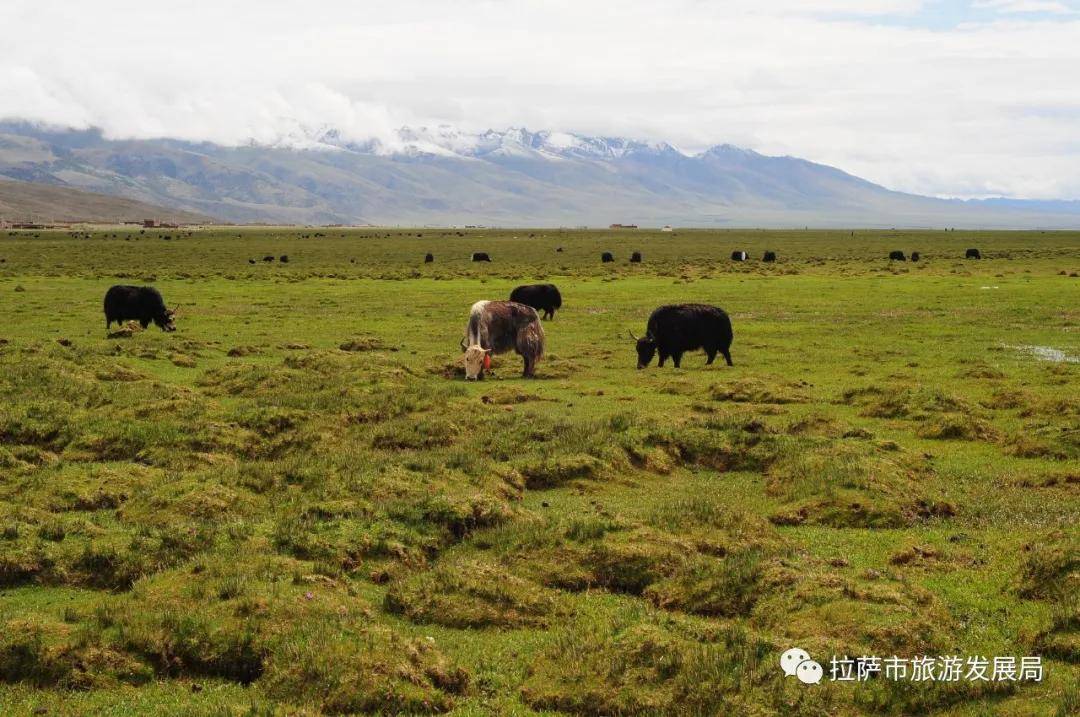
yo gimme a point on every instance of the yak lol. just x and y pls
(677, 328)
(915, 256)
(769, 256)
(897, 255)
(496, 327)
(140, 303)
(738, 256)
(542, 297)
(607, 257)
(428, 258)
(480, 256)
(635, 258)
(972, 254)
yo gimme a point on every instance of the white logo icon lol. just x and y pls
(797, 663)
(790, 660)
(809, 672)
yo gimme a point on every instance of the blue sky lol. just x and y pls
(965, 98)
(952, 14)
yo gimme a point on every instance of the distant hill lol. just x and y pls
(31, 202)
(508, 178)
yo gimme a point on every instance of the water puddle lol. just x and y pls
(1047, 353)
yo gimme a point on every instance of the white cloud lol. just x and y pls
(979, 108)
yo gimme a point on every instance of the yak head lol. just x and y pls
(646, 349)
(476, 360)
(165, 320)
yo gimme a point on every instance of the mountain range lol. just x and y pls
(515, 177)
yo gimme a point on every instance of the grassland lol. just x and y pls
(295, 505)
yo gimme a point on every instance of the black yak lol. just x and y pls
(268, 258)
(140, 303)
(496, 327)
(542, 297)
(284, 259)
(635, 258)
(769, 256)
(896, 256)
(428, 258)
(915, 256)
(480, 256)
(607, 257)
(675, 329)
(738, 256)
(972, 254)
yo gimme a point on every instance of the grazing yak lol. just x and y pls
(480, 256)
(675, 329)
(496, 327)
(769, 256)
(896, 256)
(428, 258)
(140, 303)
(284, 258)
(915, 256)
(607, 257)
(738, 256)
(542, 297)
(972, 254)
(635, 258)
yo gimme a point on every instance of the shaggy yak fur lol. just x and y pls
(678, 328)
(140, 303)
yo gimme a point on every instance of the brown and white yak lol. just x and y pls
(496, 327)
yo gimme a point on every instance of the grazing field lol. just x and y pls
(295, 504)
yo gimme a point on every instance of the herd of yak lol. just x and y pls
(497, 327)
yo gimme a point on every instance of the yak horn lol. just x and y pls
(635, 338)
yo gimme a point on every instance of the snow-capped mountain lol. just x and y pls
(443, 175)
(448, 141)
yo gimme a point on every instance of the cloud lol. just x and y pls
(975, 108)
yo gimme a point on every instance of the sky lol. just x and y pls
(960, 98)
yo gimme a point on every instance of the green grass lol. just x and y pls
(295, 503)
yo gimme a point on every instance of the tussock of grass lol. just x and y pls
(365, 343)
(640, 663)
(957, 427)
(849, 484)
(552, 472)
(1050, 566)
(755, 390)
(53, 655)
(472, 594)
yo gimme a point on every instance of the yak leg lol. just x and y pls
(727, 357)
(711, 357)
(677, 358)
(663, 358)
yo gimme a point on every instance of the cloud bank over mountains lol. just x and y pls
(941, 97)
